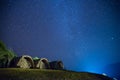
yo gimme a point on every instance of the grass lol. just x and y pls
(37, 74)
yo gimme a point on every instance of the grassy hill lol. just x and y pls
(37, 74)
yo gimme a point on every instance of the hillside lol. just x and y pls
(36, 74)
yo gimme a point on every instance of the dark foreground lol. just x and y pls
(36, 74)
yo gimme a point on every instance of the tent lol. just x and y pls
(58, 65)
(41, 63)
(24, 61)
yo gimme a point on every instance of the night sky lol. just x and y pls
(84, 34)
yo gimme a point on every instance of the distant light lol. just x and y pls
(104, 74)
(115, 79)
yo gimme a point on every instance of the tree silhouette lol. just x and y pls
(6, 55)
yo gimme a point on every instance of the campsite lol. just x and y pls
(13, 67)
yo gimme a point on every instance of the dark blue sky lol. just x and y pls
(84, 34)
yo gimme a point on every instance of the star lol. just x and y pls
(112, 38)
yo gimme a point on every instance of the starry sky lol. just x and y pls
(84, 34)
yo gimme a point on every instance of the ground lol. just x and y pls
(37, 74)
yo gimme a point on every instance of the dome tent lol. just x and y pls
(24, 61)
